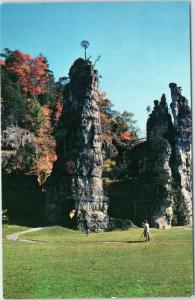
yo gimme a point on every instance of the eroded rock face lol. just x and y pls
(159, 122)
(13, 140)
(160, 217)
(177, 154)
(152, 184)
(13, 137)
(182, 167)
(79, 152)
(159, 125)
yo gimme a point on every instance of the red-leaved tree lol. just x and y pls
(45, 145)
(31, 73)
(126, 136)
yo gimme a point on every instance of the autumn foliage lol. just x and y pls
(31, 73)
(115, 125)
(126, 136)
(32, 100)
(58, 110)
(2, 62)
(46, 148)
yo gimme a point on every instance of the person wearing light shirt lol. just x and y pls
(146, 231)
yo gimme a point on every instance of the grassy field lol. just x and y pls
(9, 229)
(69, 264)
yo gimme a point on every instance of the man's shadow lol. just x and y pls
(132, 242)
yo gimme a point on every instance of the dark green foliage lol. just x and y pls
(130, 200)
(141, 189)
(23, 199)
(26, 113)
(49, 97)
(4, 217)
(26, 156)
(61, 85)
(126, 122)
(105, 106)
(35, 118)
(115, 123)
(150, 157)
(14, 107)
(180, 209)
(120, 224)
(159, 147)
(23, 160)
(45, 99)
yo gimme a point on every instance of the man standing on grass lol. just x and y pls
(85, 222)
(86, 226)
(146, 231)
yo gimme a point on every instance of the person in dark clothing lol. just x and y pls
(86, 226)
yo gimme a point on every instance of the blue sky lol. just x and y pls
(143, 45)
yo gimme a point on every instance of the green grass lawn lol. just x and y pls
(9, 229)
(69, 264)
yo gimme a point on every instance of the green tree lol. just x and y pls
(14, 106)
(126, 122)
(35, 118)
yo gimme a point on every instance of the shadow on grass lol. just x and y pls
(81, 242)
(132, 242)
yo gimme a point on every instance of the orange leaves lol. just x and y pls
(126, 136)
(47, 125)
(46, 156)
(36, 86)
(2, 62)
(58, 110)
(46, 144)
(105, 122)
(31, 72)
(46, 148)
(46, 111)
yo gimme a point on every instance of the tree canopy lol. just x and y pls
(32, 100)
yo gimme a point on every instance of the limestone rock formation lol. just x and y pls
(21, 194)
(182, 167)
(151, 182)
(177, 154)
(159, 122)
(76, 179)
(14, 139)
(159, 125)
(159, 214)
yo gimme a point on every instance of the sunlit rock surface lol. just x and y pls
(78, 170)
(176, 157)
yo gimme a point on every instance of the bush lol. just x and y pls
(13, 103)
(35, 118)
(4, 216)
(120, 224)
(180, 208)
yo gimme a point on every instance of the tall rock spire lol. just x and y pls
(176, 157)
(79, 151)
(159, 122)
(182, 167)
(160, 138)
